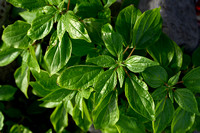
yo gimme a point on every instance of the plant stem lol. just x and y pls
(68, 5)
(131, 52)
(126, 49)
(180, 82)
(126, 72)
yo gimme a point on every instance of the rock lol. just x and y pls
(179, 20)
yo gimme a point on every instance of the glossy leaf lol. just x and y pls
(163, 50)
(106, 113)
(1, 121)
(138, 64)
(102, 61)
(81, 114)
(59, 96)
(155, 76)
(59, 117)
(45, 80)
(160, 93)
(174, 79)
(19, 129)
(39, 89)
(186, 100)
(191, 80)
(54, 2)
(7, 92)
(61, 29)
(105, 83)
(126, 21)
(93, 27)
(28, 4)
(140, 100)
(128, 125)
(41, 26)
(58, 54)
(108, 3)
(81, 47)
(88, 9)
(182, 121)
(121, 75)
(177, 60)
(113, 40)
(74, 27)
(164, 115)
(8, 55)
(22, 79)
(196, 57)
(147, 29)
(16, 38)
(78, 77)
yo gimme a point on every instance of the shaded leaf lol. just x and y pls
(121, 75)
(1, 121)
(126, 21)
(7, 92)
(182, 121)
(19, 129)
(174, 79)
(147, 29)
(155, 76)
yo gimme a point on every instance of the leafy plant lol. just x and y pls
(121, 75)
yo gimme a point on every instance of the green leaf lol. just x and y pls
(80, 113)
(1, 121)
(54, 2)
(121, 75)
(19, 129)
(106, 113)
(138, 64)
(147, 29)
(196, 57)
(58, 54)
(155, 76)
(128, 124)
(140, 100)
(78, 77)
(191, 80)
(160, 93)
(105, 83)
(59, 95)
(186, 61)
(102, 61)
(164, 115)
(126, 21)
(28, 4)
(74, 27)
(61, 29)
(162, 51)
(93, 27)
(41, 26)
(85, 93)
(22, 79)
(48, 82)
(108, 3)
(8, 55)
(174, 79)
(39, 89)
(81, 47)
(186, 100)
(16, 38)
(177, 60)
(29, 16)
(113, 40)
(88, 8)
(59, 117)
(7, 92)
(182, 121)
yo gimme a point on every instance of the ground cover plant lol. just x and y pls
(80, 63)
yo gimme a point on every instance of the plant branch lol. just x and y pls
(180, 82)
(131, 52)
(126, 72)
(68, 5)
(126, 49)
